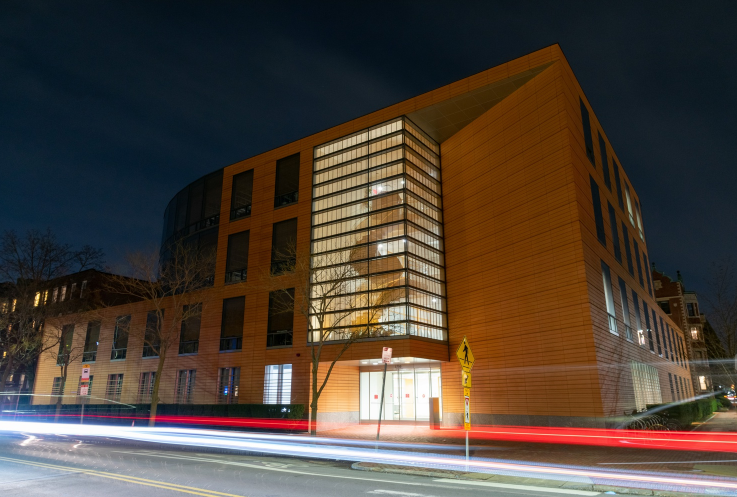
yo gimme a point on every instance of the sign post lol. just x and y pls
(386, 358)
(465, 356)
(84, 388)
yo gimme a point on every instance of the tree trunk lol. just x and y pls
(315, 398)
(157, 382)
(60, 398)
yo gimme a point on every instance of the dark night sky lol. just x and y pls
(107, 109)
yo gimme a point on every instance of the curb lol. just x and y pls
(536, 482)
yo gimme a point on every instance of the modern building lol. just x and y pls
(493, 208)
(683, 307)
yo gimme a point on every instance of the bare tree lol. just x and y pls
(331, 293)
(27, 264)
(721, 300)
(173, 292)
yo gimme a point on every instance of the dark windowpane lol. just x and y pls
(181, 216)
(665, 305)
(120, 337)
(587, 138)
(242, 194)
(152, 336)
(231, 329)
(657, 333)
(627, 250)
(196, 192)
(65, 344)
(213, 192)
(91, 340)
(615, 233)
(620, 198)
(691, 309)
(281, 318)
(639, 264)
(647, 325)
(604, 163)
(189, 338)
(287, 180)
(283, 245)
(598, 217)
(237, 262)
(647, 273)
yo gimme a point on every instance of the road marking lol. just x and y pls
(126, 478)
(566, 491)
(662, 462)
(394, 492)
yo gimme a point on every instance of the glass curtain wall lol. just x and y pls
(377, 229)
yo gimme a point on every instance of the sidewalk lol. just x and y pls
(721, 421)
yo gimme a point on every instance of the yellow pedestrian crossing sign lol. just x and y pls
(465, 355)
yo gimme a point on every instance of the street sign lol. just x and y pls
(467, 409)
(465, 355)
(386, 355)
(466, 379)
(85, 373)
(84, 390)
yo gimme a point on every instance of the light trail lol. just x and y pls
(305, 446)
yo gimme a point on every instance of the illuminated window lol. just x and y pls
(37, 299)
(12, 307)
(646, 385)
(228, 383)
(702, 383)
(629, 203)
(694, 333)
(54, 295)
(278, 384)
(63, 293)
(609, 298)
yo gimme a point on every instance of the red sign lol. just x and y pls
(376, 396)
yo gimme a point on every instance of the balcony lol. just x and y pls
(231, 343)
(281, 338)
(239, 212)
(189, 347)
(90, 356)
(149, 351)
(628, 331)
(118, 354)
(286, 199)
(236, 276)
(281, 267)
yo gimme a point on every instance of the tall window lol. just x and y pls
(604, 163)
(598, 217)
(647, 273)
(65, 344)
(152, 337)
(629, 203)
(231, 328)
(146, 387)
(639, 264)
(236, 265)
(185, 385)
(646, 384)
(638, 320)
(639, 221)
(63, 293)
(241, 196)
(664, 305)
(283, 245)
(615, 233)
(647, 326)
(57, 388)
(114, 387)
(91, 341)
(281, 318)
(672, 391)
(625, 309)
(278, 384)
(120, 337)
(189, 335)
(620, 199)
(228, 382)
(82, 289)
(671, 343)
(627, 250)
(657, 333)
(609, 297)
(287, 181)
(587, 138)
(664, 334)
(694, 333)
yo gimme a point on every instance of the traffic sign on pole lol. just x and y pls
(465, 355)
(467, 409)
(85, 373)
(466, 379)
(386, 355)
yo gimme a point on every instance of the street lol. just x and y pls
(69, 467)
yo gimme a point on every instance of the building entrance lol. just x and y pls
(407, 393)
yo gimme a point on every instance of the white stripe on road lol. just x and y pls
(393, 492)
(566, 491)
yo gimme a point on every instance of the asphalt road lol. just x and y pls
(59, 466)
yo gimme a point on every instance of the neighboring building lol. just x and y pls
(683, 308)
(496, 207)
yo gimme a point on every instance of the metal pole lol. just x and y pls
(81, 419)
(381, 407)
(17, 399)
(466, 450)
